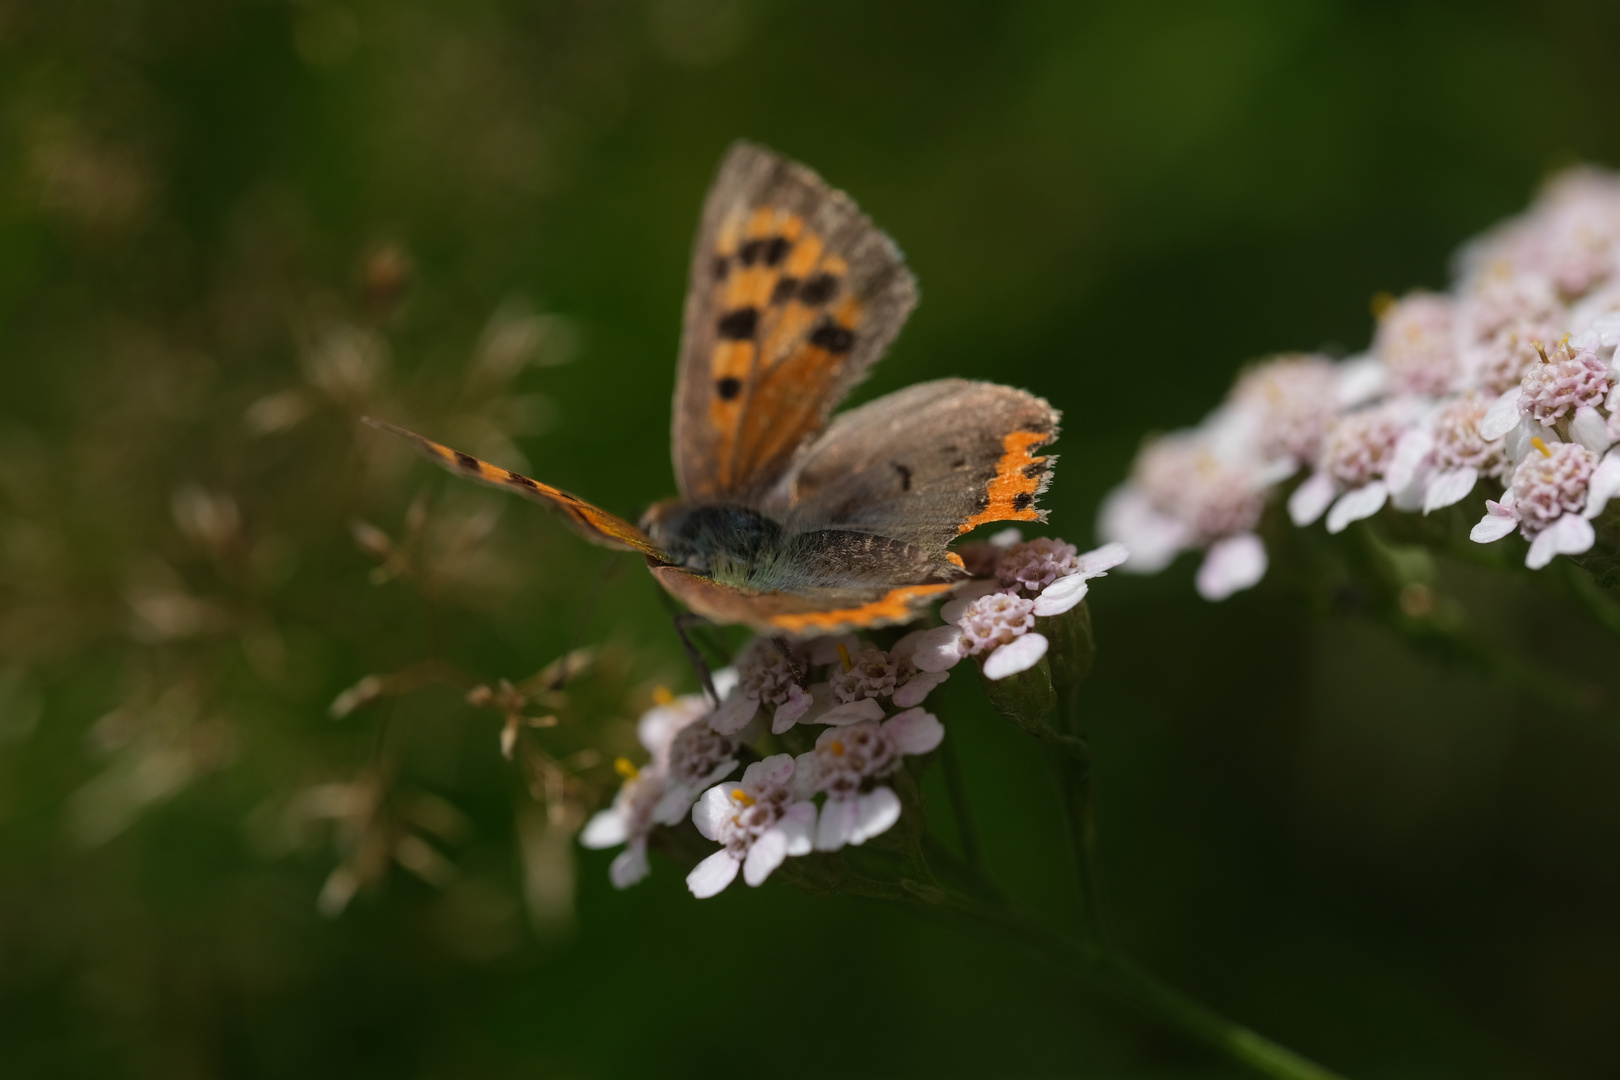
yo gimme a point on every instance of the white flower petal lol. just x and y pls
(1361, 378)
(1605, 485)
(1501, 416)
(725, 681)
(918, 687)
(1590, 430)
(607, 828)
(766, 853)
(824, 650)
(1412, 452)
(1571, 534)
(798, 825)
(1363, 502)
(1311, 498)
(852, 713)
(734, 713)
(788, 713)
(1516, 444)
(907, 644)
(1449, 487)
(712, 809)
(1153, 538)
(712, 874)
(1100, 560)
(875, 813)
(938, 649)
(836, 824)
(630, 865)
(1019, 654)
(1231, 565)
(676, 802)
(914, 731)
(769, 772)
(1493, 526)
(1062, 594)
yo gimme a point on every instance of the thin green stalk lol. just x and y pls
(1129, 984)
(956, 787)
(1073, 760)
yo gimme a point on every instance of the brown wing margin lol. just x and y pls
(793, 295)
(593, 523)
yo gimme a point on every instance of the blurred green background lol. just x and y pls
(227, 228)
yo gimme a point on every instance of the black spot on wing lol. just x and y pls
(819, 289)
(1036, 469)
(738, 325)
(776, 249)
(728, 388)
(520, 480)
(722, 266)
(1022, 500)
(905, 475)
(750, 252)
(467, 461)
(832, 337)
(785, 287)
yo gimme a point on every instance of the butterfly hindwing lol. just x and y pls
(804, 613)
(924, 465)
(793, 295)
(591, 522)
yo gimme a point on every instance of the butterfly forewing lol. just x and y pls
(793, 295)
(591, 522)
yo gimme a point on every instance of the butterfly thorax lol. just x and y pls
(744, 548)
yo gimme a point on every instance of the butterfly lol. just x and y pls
(791, 520)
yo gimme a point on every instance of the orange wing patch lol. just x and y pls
(592, 522)
(783, 335)
(1020, 476)
(896, 605)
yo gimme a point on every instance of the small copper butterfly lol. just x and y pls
(790, 520)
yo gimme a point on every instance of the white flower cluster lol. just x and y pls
(994, 617)
(869, 702)
(1510, 378)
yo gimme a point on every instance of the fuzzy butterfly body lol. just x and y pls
(791, 520)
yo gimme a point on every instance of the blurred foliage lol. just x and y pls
(228, 227)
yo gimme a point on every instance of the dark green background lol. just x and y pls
(1400, 870)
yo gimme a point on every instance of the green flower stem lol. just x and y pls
(956, 787)
(1073, 758)
(1121, 979)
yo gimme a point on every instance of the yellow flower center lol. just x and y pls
(1539, 445)
(739, 795)
(622, 766)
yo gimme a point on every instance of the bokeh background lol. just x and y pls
(228, 227)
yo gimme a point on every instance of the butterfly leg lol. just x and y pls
(684, 620)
